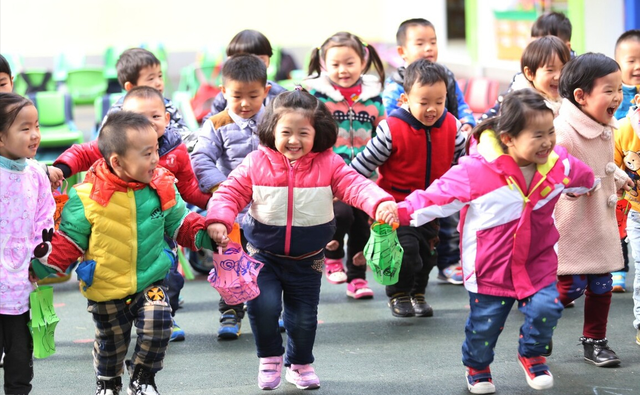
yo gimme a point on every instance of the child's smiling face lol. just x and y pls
(603, 100)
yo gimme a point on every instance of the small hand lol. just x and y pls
(387, 212)
(628, 185)
(218, 233)
(44, 248)
(55, 177)
(466, 129)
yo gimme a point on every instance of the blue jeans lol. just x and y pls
(488, 315)
(296, 283)
(633, 232)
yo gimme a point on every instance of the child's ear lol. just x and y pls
(400, 50)
(267, 88)
(506, 139)
(128, 86)
(528, 74)
(404, 99)
(167, 117)
(114, 162)
(578, 94)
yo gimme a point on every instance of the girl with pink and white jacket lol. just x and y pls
(291, 181)
(26, 209)
(506, 193)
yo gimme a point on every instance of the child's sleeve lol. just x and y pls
(460, 143)
(391, 96)
(46, 208)
(376, 152)
(205, 156)
(77, 158)
(186, 227)
(581, 178)
(444, 197)
(464, 112)
(187, 182)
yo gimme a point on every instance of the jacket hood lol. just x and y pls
(371, 87)
(169, 141)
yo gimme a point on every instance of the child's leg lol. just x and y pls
(301, 286)
(633, 232)
(358, 236)
(265, 309)
(153, 327)
(16, 341)
(487, 316)
(113, 321)
(542, 311)
(571, 287)
(344, 219)
(449, 246)
(596, 306)
(428, 255)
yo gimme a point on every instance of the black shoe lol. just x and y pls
(108, 386)
(401, 305)
(421, 307)
(598, 352)
(142, 382)
(549, 349)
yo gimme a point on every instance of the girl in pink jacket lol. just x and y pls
(506, 193)
(26, 209)
(291, 181)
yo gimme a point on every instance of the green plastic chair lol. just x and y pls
(65, 61)
(55, 114)
(31, 81)
(85, 84)
(182, 101)
(111, 56)
(101, 106)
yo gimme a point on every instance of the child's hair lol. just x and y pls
(244, 67)
(629, 35)
(423, 72)
(249, 41)
(10, 105)
(401, 34)
(113, 135)
(517, 108)
(299, 100)
(4, 66)
(143, 92)
(130, 63)
(552, 24)
(582, 72)
(541, 50)
(366, 52)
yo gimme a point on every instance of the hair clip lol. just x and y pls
(319, 49)
(298, 88)
(364, 44)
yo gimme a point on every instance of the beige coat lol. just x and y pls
(589, 241)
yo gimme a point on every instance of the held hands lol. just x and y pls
(387, 212)
(218, 233)
(55, 177)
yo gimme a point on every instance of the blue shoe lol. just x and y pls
(229, 325)
(177, 334)
(281, 324)
(619, 279)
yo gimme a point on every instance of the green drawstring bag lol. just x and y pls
(43, 321)
(384, 253)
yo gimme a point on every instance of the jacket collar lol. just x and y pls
(280, 160)
(371, 87)
(403, 114)
(582, 123)
(105, 183)
(250, 123)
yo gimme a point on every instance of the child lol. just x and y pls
(6, 79)
(225, 140)
(116, 220)
(139, 67)
(628, 57)
(590, 85)
(173, 154)
(338, 78)
(26, 207)
(291, 181)
(416, 39)
(250, 42)
(414, 146)
(627, 156)
(506, 192)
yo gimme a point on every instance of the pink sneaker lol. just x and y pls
(358, 288)
(269, 373)
(303, 376)
(334, 271)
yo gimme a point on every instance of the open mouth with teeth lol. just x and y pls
(611, 111)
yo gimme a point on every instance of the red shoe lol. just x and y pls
(537, 372)
(479, 381)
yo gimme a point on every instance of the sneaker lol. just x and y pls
(142, 382)
(303, 376)
(598, 352)
(108, 385)
(401, 305)
(177, 334)
(420, 306)
(358, 288)
(479, 381)
(335, 271)
(452, 275)
(229, 325)
(638, 337)
(619, 279)
(269, 373)
(536, 372)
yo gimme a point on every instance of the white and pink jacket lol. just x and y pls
(291, 209)
(26, 208)
(507, 233)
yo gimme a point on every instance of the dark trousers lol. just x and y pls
(238, 308)
(15, 340)
(449, 245)
(355, 223)
(597, 290)
(296, 285)
(174, 282)
(419, 258)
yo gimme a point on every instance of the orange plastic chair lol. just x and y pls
(481, 94)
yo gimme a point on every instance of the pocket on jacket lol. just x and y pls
(15, 253)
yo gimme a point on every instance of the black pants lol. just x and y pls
(355, 223)
(449, 245)
(238, 308)
(15, 340)
(174, 282)
(420, 256)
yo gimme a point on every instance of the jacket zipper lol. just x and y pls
(287, 237)
(428, 176)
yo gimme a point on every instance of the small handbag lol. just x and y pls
(235, 275)
(43, 321)
(383, 253)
